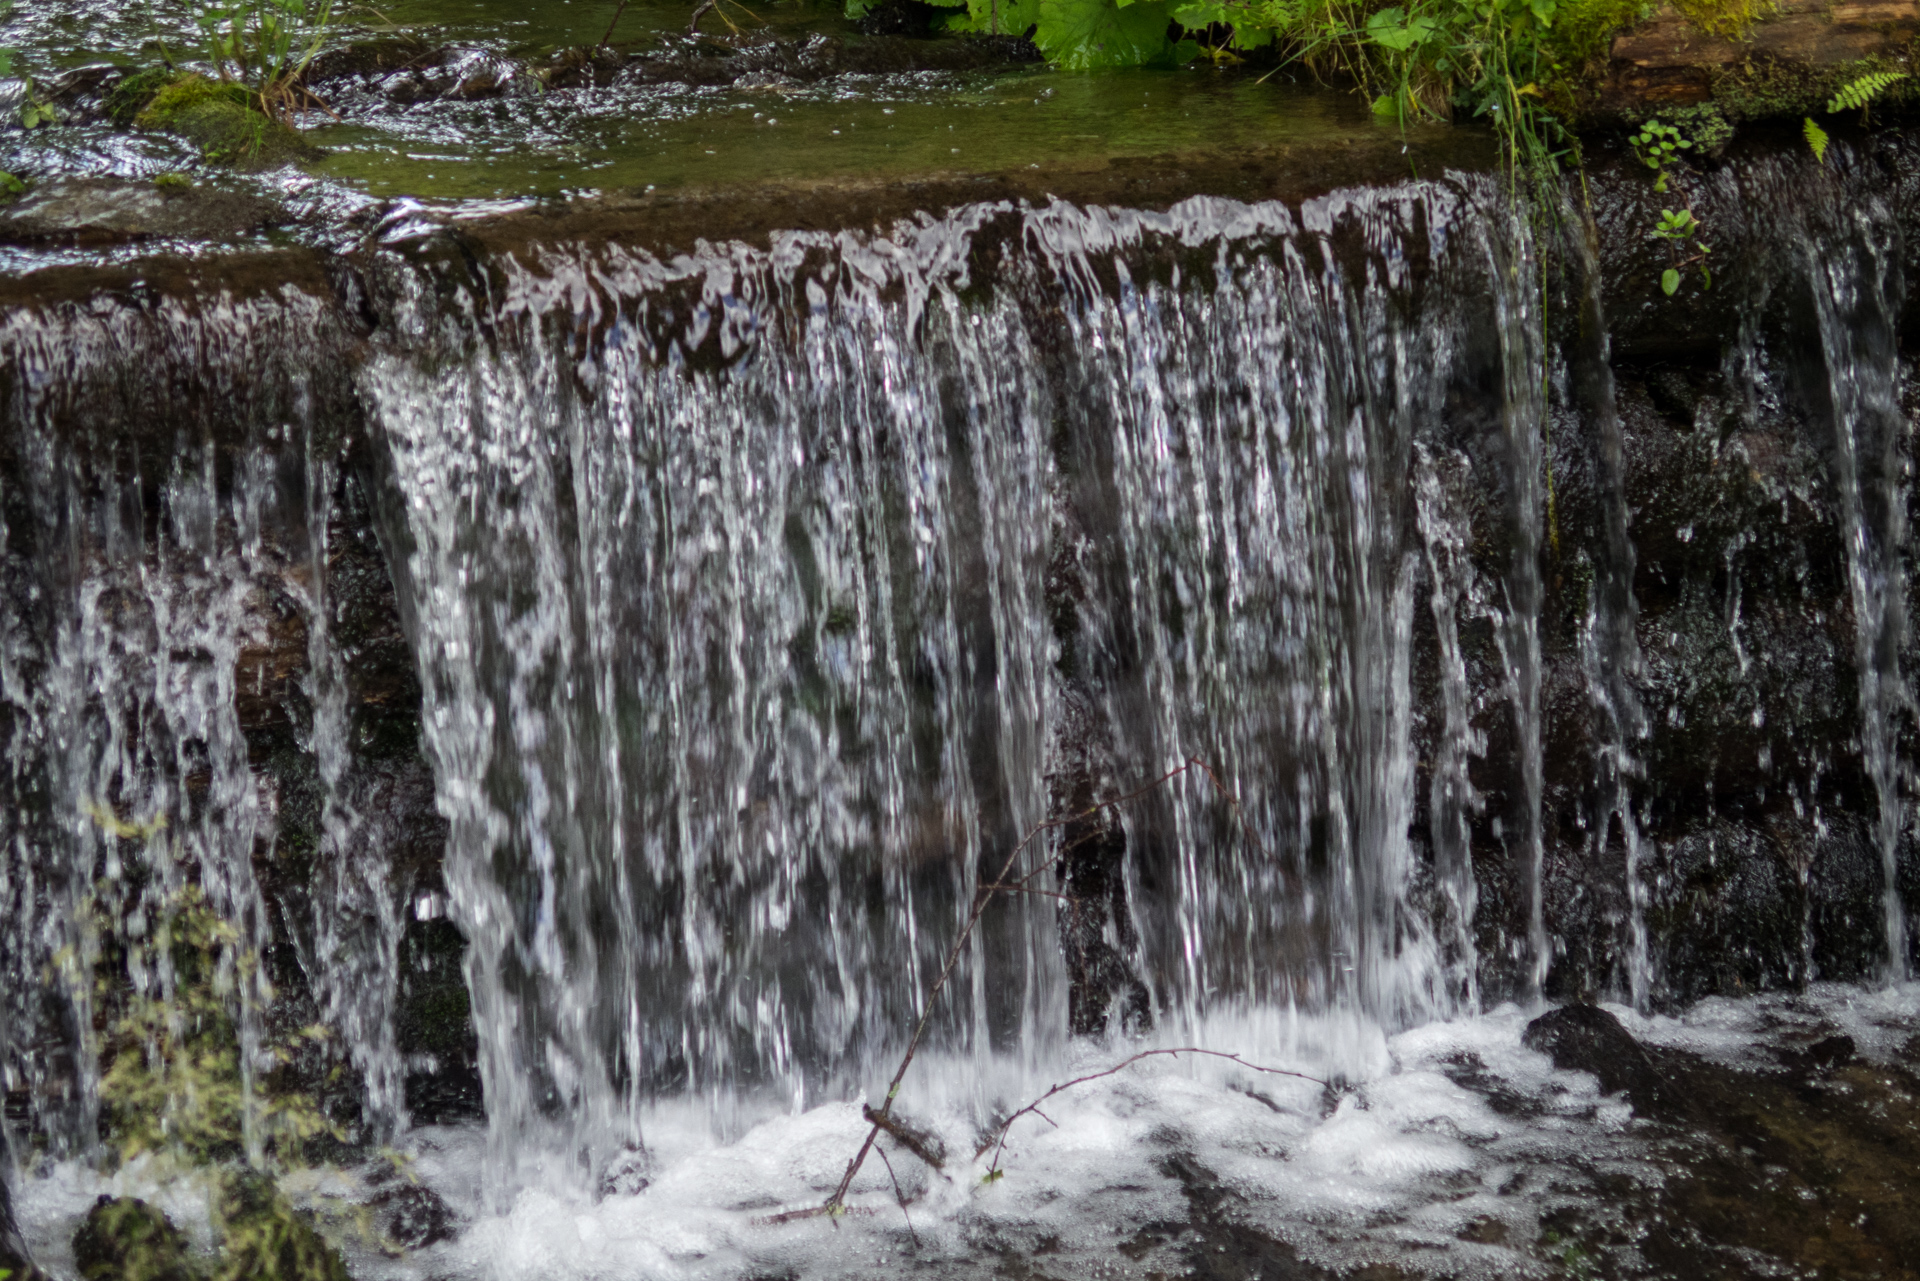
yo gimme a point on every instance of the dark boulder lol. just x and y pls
(414, 1217)
(1585, 1038)
(1823, 1055)
(626, 1173)
(126, 1239)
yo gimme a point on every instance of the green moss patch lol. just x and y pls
(223, 120)
(131, 96)
(1758, 89)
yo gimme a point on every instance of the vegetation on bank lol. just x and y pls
(1532, 69)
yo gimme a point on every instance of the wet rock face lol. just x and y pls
(1758, 862)
(1758, 866)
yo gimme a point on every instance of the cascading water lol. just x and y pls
(1610, 651)
(764, 601)
(1857, 288)
(730, 581)
(158, 581)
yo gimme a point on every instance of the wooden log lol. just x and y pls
(1668, 62)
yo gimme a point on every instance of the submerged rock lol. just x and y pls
(101, 211)
(126, 1239)
(1585, 1038)
(626, 1173)
(225, 121)
(13, 1251)
(414, 1217)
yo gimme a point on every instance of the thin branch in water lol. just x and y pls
(999, 1145)
(823, 1211)
(922, 1145)
(619, 13)
(1025, 889)
(982, 897)
(899, 1196)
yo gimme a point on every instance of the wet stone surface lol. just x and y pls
(95, 212)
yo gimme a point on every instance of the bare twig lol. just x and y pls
(999, 1144)
(619, 13)
(823, 1211)
(899, 1196)
(921, 1145)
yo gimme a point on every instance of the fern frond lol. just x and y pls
(1816, 139)
(1856, 94)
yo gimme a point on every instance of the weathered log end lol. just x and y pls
(1748, 62)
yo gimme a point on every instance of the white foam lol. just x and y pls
(1428, 1131)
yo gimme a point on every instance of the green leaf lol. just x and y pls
(1083, 35)
(1014, 17)
(1392, 29)
(1670, 281)
(1856, 94)
(1816, 139)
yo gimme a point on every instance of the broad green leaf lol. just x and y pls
(1082, 35)
(1670, 281)
(1013, 16)
(1392, 29)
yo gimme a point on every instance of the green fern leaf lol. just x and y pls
(1856, 94)
(1816, 139)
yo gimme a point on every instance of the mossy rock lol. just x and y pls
(267, 1239)
(130, 96)
(126, 1239)
(224, 121)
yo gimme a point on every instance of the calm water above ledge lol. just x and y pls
(634, 136)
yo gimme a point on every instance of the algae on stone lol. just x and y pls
(267, 1239)
(223, 120)
(126, 1239)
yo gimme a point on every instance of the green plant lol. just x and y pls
(35, 110)
(1816, 139)
(10, 186)
(1856, 94)
(1657, 146)
(1681, 230)
(173, 182)
(174, 1088)
(266, 45)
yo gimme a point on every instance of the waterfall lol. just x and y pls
(767, 601)
(1609, 649)
(1857, 288)
(764, 599)
(169, 549)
